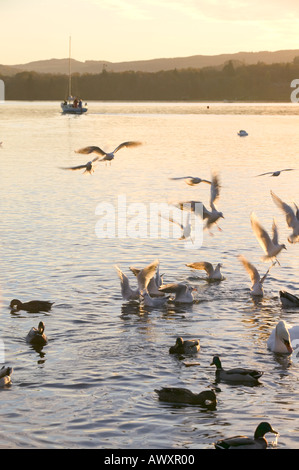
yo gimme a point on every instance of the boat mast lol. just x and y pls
(70, 77)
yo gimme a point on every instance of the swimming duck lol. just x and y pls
(214, 274)
(189, 346)
(244, 442)
(288, 300)
(34, 306)
(236, 375)
(281, 338)
(5, 373)
(183, 395)
(37, 336)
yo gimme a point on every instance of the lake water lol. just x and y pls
(92, 385)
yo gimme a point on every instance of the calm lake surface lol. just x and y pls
(92, 385)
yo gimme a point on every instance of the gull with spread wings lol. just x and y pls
(185, 227)
(107, 156)
(276, 173)
(191, 180)
(211, 216)
(88, 167)
(270, 246)
(256, 279)
(214, 274)
(292, 217)
(143, 278)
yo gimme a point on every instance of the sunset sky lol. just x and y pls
(125, 30)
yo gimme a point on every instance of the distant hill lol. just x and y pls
(60, 66)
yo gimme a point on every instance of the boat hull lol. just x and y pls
(70, 109)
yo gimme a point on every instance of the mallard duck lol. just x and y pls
(288, 300)
(5, 373)
(189, 346)
(281, 338)
(244, 442)
(236, 375)
(37, 336)
(183, 395)
(34, 306)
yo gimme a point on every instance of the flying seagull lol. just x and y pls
(88, 167)
(292, 217)
(186, 228)
(276, 173)
(107, 156)
(211, 216)
(270, 246)
(191, 180)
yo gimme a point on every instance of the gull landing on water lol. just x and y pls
(143, 278)
(257, 281)
(107, 156)
(183, 292)
(214, 274)
(154, 283)
(292, 218)
(270, 246)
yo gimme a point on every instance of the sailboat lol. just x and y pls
(72, 105)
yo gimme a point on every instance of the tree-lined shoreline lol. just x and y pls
(258, 82)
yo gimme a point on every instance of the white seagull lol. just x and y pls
(143, 278)
(107, 156)
(270, 246)
(148, 301)
(213, 273)
(185, 227)
(126, 291)
(257, 281)
(88, 166)
(292, 218)
(191, 180)
(276, 173)
(154, 283)
(183, 292)
(211, 216)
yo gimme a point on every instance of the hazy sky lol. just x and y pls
(124, 30)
